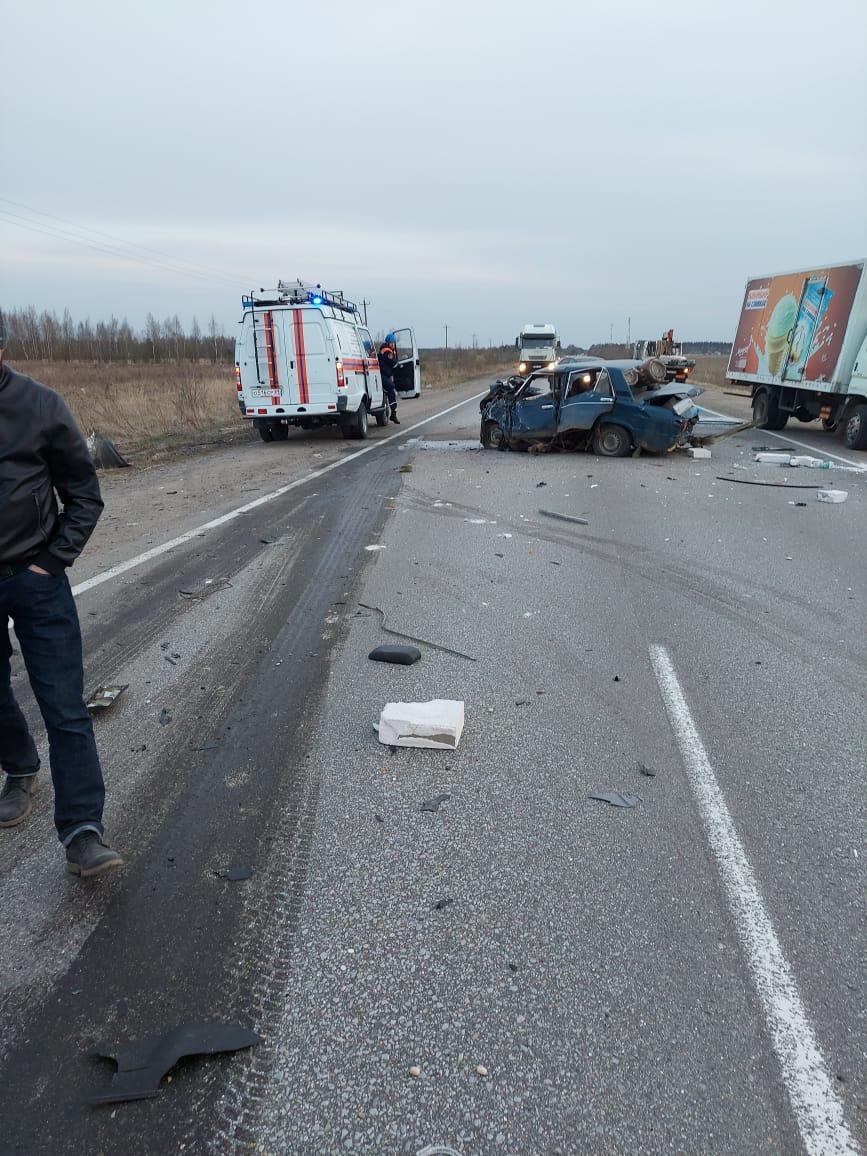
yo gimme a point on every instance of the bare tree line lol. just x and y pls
(34, 336)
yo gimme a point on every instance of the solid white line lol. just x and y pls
(818, 1109)
(785, 438)
(239, 511)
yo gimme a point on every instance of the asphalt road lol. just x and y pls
(683, 976)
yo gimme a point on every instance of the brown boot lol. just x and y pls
(16, 799)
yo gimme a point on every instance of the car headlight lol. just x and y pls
(522, 368)
(552, 364)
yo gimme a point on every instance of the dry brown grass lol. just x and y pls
(143, 406)
(440, 368)
(710, 369)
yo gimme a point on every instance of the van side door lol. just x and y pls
(371, 362)
(407, 370)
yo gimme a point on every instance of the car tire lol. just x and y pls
(493, 436)
(355, 424)
(611, 441)
(766, 411)
(855, 428)
(265, 428)
(382, 418)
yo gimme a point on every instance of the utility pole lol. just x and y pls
(629, 331)
(447, 349)
(475, 342)
(364, 305)
(611, 334)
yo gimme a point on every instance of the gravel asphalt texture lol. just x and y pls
(566, 976)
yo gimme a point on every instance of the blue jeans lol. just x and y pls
(46, 626)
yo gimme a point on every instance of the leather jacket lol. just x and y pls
(43, 456)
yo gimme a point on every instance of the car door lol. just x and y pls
(407, 370)
(534, 412)
(587, 395)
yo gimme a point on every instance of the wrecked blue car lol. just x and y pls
(615, 407)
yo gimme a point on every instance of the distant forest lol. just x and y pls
(44, 336)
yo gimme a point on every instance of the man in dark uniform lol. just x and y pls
(43, 456)
(387, 362)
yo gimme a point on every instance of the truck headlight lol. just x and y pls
(522, 368)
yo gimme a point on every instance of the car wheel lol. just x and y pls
(265, 428)
(493, 436)
(611, 441)
(855, 429)
(355, 424)
(382, 418)
(766, 411)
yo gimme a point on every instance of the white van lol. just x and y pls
(304, 358)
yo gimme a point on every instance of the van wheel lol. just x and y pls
(766, 411)
(855, 429)
(611, 441)
(355, 424)
(279, 431)
(382, 418)
(266, 430)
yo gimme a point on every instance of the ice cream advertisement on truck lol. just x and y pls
(792, 326)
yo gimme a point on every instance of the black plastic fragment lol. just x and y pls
(615, 798)
(441, 903)
(435, 803)
(142, 1064)
(235, 874)
(401, 655)
(165, 717)
(645, 770)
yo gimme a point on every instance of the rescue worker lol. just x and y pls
(387, 362)
(43, 456)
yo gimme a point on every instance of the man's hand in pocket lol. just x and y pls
(39, 570)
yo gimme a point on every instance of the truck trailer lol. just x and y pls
(801, 347)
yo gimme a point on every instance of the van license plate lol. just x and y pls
(260, 393)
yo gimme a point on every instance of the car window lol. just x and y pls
(582, 381)
(367, 342)
(604, 388)
(403, 344)
(536, 387)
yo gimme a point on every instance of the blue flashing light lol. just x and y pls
(316, 300)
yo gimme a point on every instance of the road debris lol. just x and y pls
(442, 903)
(834, 496)
(373, 548)
(105, 696)
(616, 798)
(772, 485)
(645, 770)
(481, 1070)
(143, 1063)
(400, 655)
(772, 458)
(564, 517)
(165, 717)
(698, 452)
(415, 1071)
(105, 454)
(268, 540)
(434, 804)
(412, 638)
(235, 874)
(205, 589)
(436, 725)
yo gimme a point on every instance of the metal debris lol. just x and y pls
(565, 517)
(616, 798)
(411, 638)
(105, 696)
(434, 804)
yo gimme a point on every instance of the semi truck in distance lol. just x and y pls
(801, 347)
(538, 345)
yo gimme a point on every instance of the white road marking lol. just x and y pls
(785, 438)
(182, 539)
(818, 1109)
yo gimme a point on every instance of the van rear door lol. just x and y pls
(309, 342)
(267, 370)
(407, 371)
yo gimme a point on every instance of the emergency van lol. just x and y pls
(305, 358)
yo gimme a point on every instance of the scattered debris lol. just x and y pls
(235, 874)
(415, 1071)
(698, 452)
(752, 482)
(105, 696)
(645, 770)
(142, 1064)
(565, 517)
(434, 804)
(504, 535)
(371, 549)
(834, 496)
(512, 967)
(206, 589)
(405, 469)
(411, 638)
(165, 717)
(539, 485)
(616, 678)
(400, 655)
(105, 454)
(522, 702)
(616, 798)
(437, 725)
(441, 903)
(481, 1070)
(379, 818)
(268, 540)
(773, 457)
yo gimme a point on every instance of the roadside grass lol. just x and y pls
(441, 368)
(710, 369)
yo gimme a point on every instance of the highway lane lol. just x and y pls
(589, 958)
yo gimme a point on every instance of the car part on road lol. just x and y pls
(434, 804)
(105, 696)
(436, 725)
(616, 798)
(205, 589)
(564, 518)
(105, 454)
(832, 496)
(235, 874)
(772, 485)
(647, 771)
(142, 1064)
(698, 452)
(421, 641)
(400, 655)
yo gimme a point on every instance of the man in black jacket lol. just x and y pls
(42, 456)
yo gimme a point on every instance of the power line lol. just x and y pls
(112, 250)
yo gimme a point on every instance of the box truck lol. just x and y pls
(801, 346)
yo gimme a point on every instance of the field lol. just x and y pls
(710, 370)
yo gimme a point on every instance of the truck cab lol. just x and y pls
(303, 357)
(538, 346)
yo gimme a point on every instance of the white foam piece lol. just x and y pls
(437, 724)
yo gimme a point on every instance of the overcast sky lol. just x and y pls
(476, 164)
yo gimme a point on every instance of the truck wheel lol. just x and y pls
(382, 418)
(611, 441)
(279, 431)
(266, 430)
(355, 424)
(493, 436)
(855, 428)
(766, 411)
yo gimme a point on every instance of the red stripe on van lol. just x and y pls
(300, 357)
